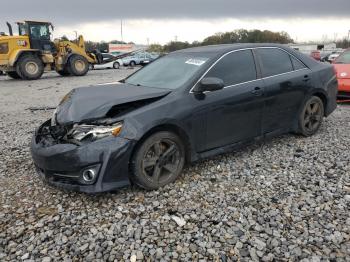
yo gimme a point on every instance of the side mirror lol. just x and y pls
(209, 84)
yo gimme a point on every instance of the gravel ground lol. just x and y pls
(287, 199)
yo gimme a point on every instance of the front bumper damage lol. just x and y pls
(62, 164)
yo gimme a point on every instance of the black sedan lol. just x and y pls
(188, 105)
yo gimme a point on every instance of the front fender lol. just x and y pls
(135, 130)
(15, 55)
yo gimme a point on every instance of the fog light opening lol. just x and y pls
(89, 175)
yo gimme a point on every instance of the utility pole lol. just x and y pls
(121, 29)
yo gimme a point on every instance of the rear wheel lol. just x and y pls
(77, 65)
(116, 65)
(158, 161)
(29, 67)
(13, 75)
(132, 63)
(311, 116)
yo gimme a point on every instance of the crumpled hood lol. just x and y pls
(94, 102)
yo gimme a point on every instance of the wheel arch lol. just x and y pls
(322, 95)
(19, 53)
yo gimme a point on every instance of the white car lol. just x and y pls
(115, 64)
(332, 57)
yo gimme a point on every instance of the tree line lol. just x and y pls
(237, 36)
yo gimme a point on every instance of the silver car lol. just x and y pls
(138, 59)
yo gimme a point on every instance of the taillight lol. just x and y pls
(4, 48)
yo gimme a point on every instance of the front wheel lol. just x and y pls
(116, 65)
(132, 63)
(158, 161)
(311, 116)
(78, 65)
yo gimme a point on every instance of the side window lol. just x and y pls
(40, 32)
(274, 61)
(297, 64)
(235, 68)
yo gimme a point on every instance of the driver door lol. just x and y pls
(233, 114)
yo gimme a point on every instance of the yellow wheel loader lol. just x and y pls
(32, 52)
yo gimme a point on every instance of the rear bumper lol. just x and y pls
(62, 165)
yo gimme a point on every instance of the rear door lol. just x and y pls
(287, 81)
(232, 114)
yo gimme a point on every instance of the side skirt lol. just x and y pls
(234, 147)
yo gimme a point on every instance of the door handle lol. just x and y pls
(306, 78)
(257, 91)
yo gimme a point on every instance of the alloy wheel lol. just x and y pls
(161, 161)
(312, 116)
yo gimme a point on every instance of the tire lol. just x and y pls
(29, 67)
(1, 73)
(116, 65)
(132, 63)
(311, 116)
(164, 155)
(63, 72)
(13, 75)
(77, 65)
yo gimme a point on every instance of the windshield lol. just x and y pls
(39, 31)
(344, 58)
(170, 71)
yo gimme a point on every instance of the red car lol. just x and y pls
(342, 67)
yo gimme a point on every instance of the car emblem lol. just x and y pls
(343, 74)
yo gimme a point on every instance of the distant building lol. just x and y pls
(308, 48)
(124, 48)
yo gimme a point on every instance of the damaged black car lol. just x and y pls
(185, 106)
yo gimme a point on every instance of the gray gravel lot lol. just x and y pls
(287, 199)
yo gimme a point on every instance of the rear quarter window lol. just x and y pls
(297, 65)
(274, 61)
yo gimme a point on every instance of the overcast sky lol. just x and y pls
(161, 21)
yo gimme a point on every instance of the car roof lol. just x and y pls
(224, 48)
(219, 50)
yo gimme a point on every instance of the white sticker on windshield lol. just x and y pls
(196, 62)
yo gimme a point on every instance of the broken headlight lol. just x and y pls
(92, 132)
